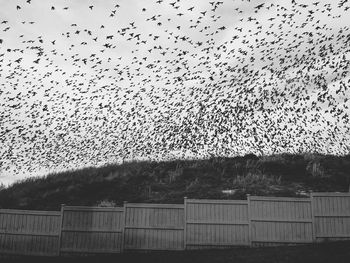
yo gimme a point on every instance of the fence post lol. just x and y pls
(249, 221)
(124, 223)
(60, 230)
(185, 223)
(312, 200)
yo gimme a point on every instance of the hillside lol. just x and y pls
(170, 182)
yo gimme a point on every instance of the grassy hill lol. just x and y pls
(170, 182)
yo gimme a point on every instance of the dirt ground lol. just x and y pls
(332, 252)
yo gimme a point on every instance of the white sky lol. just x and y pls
(140, 79)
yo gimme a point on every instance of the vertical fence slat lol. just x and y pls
(125, 206)
(313, 217)
(185, 224)
(249, 221)
(60, 230)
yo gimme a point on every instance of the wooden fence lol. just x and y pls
(331, 213)
(275, 221)
(91, 229)
(154, 227)
(196, 224)
(29, 232)
(216, 223)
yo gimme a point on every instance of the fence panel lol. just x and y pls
(278, 220)
(29, 232)
(216, 223)
(154, 226)
(331, 216)
(92, 229)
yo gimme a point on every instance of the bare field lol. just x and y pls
(330, 252)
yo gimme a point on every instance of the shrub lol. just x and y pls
(106, 203)
(255, 180)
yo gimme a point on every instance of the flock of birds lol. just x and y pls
(167, 79)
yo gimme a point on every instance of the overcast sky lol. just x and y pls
(85, 83)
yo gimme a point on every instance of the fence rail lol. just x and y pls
(196, 224)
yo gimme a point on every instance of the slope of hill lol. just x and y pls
(170, 182)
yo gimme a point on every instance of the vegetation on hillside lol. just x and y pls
(170, 182)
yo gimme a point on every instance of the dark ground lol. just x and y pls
(332, 252)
